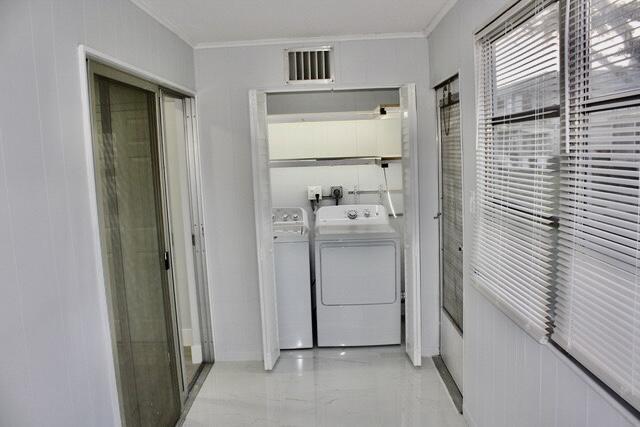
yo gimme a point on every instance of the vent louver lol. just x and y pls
(309, 65)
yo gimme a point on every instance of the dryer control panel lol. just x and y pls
(289, 220)
(353, 218)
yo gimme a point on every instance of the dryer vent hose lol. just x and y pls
(386, 186)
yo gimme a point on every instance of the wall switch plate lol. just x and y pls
(314, 190)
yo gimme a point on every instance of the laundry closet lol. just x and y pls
(336, 172)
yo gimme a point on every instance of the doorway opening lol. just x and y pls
(150, 232)
(335, 184)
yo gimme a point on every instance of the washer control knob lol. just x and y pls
(285, 217)
(367, 213)
(352, 214)
(296, 217)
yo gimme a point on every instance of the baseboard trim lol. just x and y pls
(449, 383)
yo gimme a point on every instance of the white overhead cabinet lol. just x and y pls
(342, 138)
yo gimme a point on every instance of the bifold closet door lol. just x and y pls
(412, 305)
(264, 231)
(130, 209)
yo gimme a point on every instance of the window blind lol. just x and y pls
(597, 312)
(451, 199)
(517, 164)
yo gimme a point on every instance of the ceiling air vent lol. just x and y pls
(309, 65)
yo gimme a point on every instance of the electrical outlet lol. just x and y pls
(314, 190)
(336, 192)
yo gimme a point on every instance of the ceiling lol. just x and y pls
(204, 23)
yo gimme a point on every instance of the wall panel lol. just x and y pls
(55, 350)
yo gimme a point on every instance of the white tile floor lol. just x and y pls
(374, 386)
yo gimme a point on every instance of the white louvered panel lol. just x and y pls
(308, 65)
(517, 165)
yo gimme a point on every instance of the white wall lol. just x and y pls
(289, 185)
(56, 355)
(509, 378)
(329, 102)
(223, 78)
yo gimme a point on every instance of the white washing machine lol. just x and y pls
(293, 277)
(357, 272)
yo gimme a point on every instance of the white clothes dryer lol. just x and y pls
(357, 273)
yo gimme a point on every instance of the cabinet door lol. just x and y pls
(340, 140)
(389, 133)
(295, 140)
(278, 140)
(367, 139)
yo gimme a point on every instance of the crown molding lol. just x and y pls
(439, 17)
(307, 40)
(144, 6)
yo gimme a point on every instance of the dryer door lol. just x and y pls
(358, 273)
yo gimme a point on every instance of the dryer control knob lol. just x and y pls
(352, 214)
(367, 213)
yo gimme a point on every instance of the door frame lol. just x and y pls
(270, 356)
(133, 76)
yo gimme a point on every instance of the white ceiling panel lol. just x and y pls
(217, 22)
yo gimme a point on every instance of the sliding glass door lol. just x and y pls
(184, 235)
(134, 247)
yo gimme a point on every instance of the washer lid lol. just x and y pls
(349, 219)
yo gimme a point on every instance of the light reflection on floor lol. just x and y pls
(374, 386)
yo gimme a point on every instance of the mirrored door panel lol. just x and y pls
(130, 210)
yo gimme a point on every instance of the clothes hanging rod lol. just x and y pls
(373, 191)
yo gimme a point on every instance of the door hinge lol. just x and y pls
(167, 261)
(193, 239)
